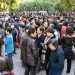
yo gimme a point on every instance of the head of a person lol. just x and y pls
(49, 18)
(21, 27)
(12, 26)
(32, 20)
(27, 29)
(8, 30)
(17, 20)
(61, 18)
(49, 32)
(45, 24)
(73, 20)
(65, 23)
(33, 25)
(69, 31)
(40, 30)
(41, 19)
(53, 44)
(32, 33)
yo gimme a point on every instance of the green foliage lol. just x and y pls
(59, 7)
(67, 4)
(36, 5)
(2, 10)
(8, 2)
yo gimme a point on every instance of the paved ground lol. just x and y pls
(18, 70)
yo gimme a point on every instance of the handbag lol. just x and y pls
(17, 45)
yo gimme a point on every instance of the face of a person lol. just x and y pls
(26, 30)
(49, 34)
(33, 26)
(41, 20)
(6, 32)
(20, 28)
(38, 31)
(34, 35)
(45, 24)
(33, 21)
(52, 47)
(12, 26)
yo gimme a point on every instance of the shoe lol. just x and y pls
(67, 73)
(37, 71)
(42, 68)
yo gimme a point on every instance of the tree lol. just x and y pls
(59, 7)
(8, 2)
(36, 5)
(67, 4)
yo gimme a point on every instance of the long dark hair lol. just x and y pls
(69, 31)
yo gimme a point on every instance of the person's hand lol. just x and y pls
(74, 51)
(42, 44)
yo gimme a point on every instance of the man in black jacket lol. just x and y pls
(56, 61)
(14, 33)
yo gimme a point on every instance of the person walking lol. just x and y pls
(45, 49)
(8, 42)
(68, 41)
(56, 61)
(30, 52)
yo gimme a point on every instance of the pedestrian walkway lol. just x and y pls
(19, 70)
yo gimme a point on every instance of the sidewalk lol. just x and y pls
(18, 70)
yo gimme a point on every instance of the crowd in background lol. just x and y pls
(45, 40)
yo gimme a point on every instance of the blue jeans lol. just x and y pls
(51, 72)
(10, 58)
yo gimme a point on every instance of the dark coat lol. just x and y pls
(67, 46)
(73, 25)
(14, 33)
(17, 24)
(48, 51)
(29, 51)
(39, 40)
(56, 61)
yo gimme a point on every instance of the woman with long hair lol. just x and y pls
(68, 41)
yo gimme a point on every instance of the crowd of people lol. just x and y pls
(45, 41)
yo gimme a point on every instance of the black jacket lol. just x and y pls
(67, 46)
(56, 60)
(39, 40)
(14, 33)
